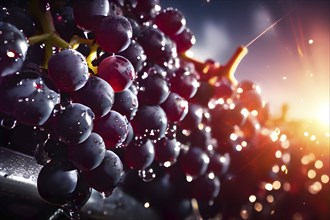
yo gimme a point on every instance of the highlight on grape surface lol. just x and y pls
(105, 95)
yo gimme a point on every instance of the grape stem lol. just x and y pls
(49, 35)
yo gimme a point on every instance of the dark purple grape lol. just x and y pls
(36, 108)
(146, 9)
(194, 162)
(184, 41)
(201, 137)
(88, 154)
(159, 49)
(107, 175)
(205, 188)
(175, 107)
(14, 87)
(170, 21)
(113, 128)
(56, 149)
(150, 122)
(166, 151)
(65, 24)
(57, 182)
(20, 18)
(68, 69)
(135, 54)
(139, 154)
(117, 71)
(126, 103)
(13, 49)
(152, 85)
(193, 117)
(113, 33)
(136, 28)
(73, 123)
(97, 94)
(184, 83)
(219, 164)
(85, 11)
(204, 94)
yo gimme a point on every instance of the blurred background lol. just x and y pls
(290, 61)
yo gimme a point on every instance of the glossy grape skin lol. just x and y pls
(97, 94)
(85, 11)
(126, 103)
(139, 154)
(194, 162)
(205, 92)
(13, 49)
(184, 83)
(158, 48)
(219, 164)
(175, 107)
(88, 154)
(61, 178)
(170, 21)
(117, 71)
(166, 151)
(193, 118)
(73, 124)
(113, 128)
(129, 137)
(135, 54)
(152, 85)
(105, 177)
(15, 87)
(113, 33)
(35, 109)
(184, 40)
(205, 188)
(146, 9)
(150, 122)
(68, 69)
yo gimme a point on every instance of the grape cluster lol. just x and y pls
(110, 99)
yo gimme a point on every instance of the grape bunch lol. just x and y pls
(103, 95)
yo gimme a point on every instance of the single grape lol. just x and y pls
(184, 40)
(113, 33)
(113, 128)
(201, 137)
(13, 49)
(146, 10)
(150, 122)
(175, 107)
(85, 11)
(126, 103)
(97, 94)
(194, 162)
(184, 83)
(139, 154)
(88, 154)
(57, 182)
(193, 118)
(73, 123)
(170, 21)
(105, 177)
(68, 69)
(166, 151)
(35, 109)
(152, 85)
(117, 71)
(14, 87)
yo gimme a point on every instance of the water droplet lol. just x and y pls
(147, 175)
